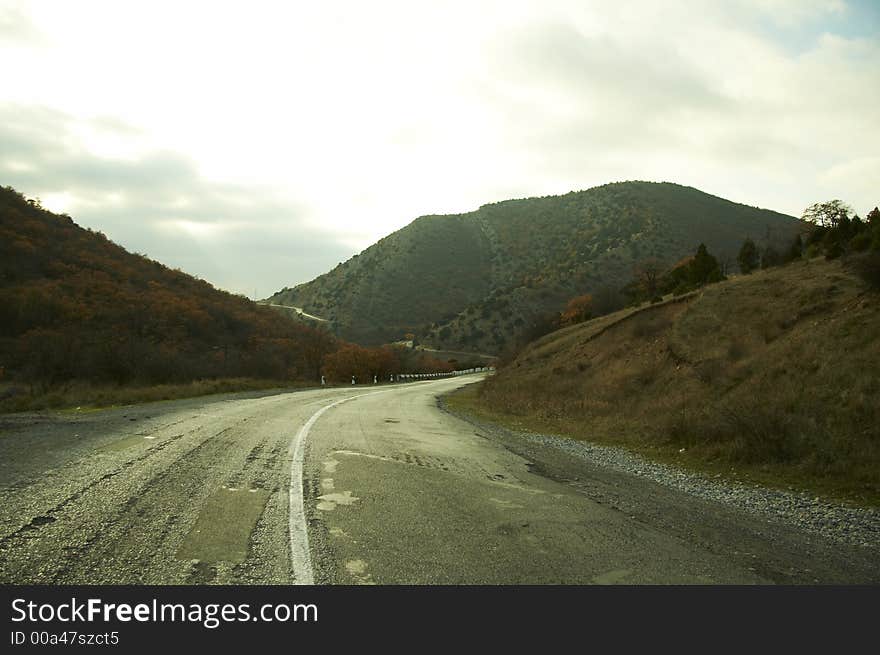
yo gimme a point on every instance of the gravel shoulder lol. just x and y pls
(790, 537)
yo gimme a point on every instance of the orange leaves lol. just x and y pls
(362, 363)
(428, 364)
(578, 310)
(76, 305)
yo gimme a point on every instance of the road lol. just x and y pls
(457, 352)
(356, 485)
(298, 310)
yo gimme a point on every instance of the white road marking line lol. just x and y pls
(300, 556)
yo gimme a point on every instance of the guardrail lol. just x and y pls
(412, 377)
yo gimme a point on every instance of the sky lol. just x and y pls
(258, 144)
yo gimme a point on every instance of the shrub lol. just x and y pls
(860, 242)
(868, 268)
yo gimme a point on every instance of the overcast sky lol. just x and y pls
(258, 144)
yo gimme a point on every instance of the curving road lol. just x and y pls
(356, 485)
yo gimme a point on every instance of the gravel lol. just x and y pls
(858, 526)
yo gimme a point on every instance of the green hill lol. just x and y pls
(478, 281)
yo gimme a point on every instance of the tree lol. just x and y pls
(578, 310)
(647, 273)
(857, 224)
(829, 214)
(693, 272)
(748, 257)
(704, 268)
(316, 344)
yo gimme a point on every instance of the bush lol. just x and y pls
(860, 242)
(736, 434)
(771, 257)
(832, 246)
(868, 268)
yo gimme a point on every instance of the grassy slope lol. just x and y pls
(84, 396)
(770, 377)
(486, 274)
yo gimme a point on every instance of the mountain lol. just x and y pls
(74, 306)
(480, 280)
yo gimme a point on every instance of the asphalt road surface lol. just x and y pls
(357, 485)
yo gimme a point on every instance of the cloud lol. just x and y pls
(240, 238)
(858, 174)
(788, 12)
(17, 28)
(658, 91)
(320, 128)
(556, 57)
(561, 93)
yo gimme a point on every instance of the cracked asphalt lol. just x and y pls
(396, 491)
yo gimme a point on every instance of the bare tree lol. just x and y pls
(827, 214)
(647, 273)
(316, 344)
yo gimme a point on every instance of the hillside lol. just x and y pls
(477, 281)
(770, 376)
(423, 273)
(74, 306)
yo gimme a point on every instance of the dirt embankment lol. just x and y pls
(770, 377)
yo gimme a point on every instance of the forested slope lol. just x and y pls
(76, 306)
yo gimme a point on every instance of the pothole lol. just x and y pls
(329, 502)
(37, 521)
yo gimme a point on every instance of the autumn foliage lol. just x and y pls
(74, 306)
(361, 363)
(578, 310)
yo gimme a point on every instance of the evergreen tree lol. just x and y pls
(704, 269)
(748, 257)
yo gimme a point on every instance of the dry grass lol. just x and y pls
(83, 395)
(771, 376)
